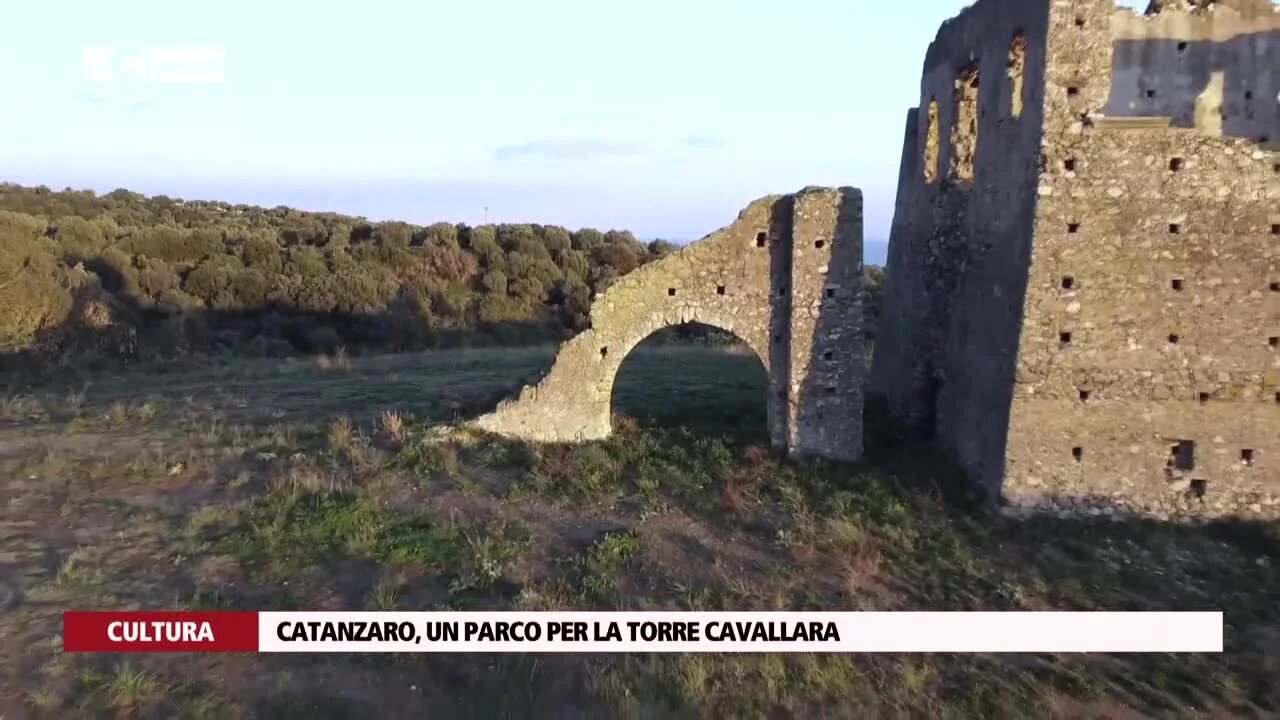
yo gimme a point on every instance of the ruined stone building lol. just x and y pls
(1083, 295)
(785, 277)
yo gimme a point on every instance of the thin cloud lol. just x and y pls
(567, 149)
(704, 142)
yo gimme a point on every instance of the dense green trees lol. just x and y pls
(246, 277)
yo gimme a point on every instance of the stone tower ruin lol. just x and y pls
(1083, 295)
(785, 277)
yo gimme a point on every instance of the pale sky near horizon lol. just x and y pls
(663, 117)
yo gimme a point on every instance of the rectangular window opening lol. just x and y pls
(1068, 282)
(1199, 487)
(831, 292)
(1177, 284)
(1077, 453)
(1064, 338)
(1246, 457)
(1183, 455)
(1175, 228)
(1073, 227)
(671, 292)
(719, 289)
(1084, 395)
(1203, 397)
(1175, 164)
(762, 239)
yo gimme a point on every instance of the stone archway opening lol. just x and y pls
(696, 376)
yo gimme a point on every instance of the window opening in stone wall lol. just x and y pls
(1182, 46)
(1064, 338)
(777, 339)
(1204, 398)
(1246, 457)
(964, 133)
(1084, 395)
(828, 355)
(1278, 398)
(1069, 164)
(1275, 287)
(1273, 341)
(604, 352)
(1174, 339)
(1248, 94)
(1183, 455)
(1199, 487)
(1073, 227)
(1017, 63)
(762, 239)
(1079, 21)
(719, 289)
(1077, 453)
(831, 292)
(1175, 228)
(932, 140)
(1068, 282)
(1175, 164)
(671, 292)
(1275, 229)
(782, 291)
(1151, 93)
(819, 243)
(1177, 284)
(1073, 91)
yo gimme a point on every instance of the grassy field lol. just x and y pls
(311, 485)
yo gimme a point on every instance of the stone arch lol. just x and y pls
(762, 279)
(725, 280)
(964, 129)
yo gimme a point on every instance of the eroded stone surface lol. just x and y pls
(1086, 323)
(785, 277)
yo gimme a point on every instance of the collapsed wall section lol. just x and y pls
(785, 278)
(960, 240)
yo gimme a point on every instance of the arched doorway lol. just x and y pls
(695, 376)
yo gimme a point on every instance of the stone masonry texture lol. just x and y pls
(1088, 321)
(785, 277)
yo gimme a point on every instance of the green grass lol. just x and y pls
(684, 508)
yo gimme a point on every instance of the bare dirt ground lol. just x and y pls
(311, 484)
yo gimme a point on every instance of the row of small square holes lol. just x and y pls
(1175, 164)
(762, 239)
(1246, 455)
(1064, 339)
(1174, 228)
(1069, 283)
(1202, 397)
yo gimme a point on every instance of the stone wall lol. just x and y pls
(785, 277)
(1090, 323)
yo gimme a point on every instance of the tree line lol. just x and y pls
(125, 275)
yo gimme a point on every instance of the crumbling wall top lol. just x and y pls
(1248, 9)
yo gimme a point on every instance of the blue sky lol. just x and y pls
(660, 117)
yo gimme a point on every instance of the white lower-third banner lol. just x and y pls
(703, 632)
